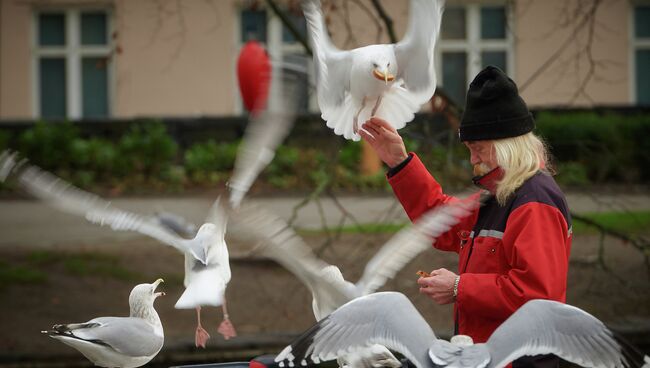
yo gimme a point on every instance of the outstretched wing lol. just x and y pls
(414, 52)
(549, 327)
(412, 240)
(386, 318)
(263, 135)
(68, 198)
(332, 65)
(278, 241)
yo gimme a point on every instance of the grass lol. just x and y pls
(631, 223)
(18, 274)
(626, 222)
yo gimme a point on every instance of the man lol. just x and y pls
(516, 247)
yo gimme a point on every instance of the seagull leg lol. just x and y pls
(201, 336)
(226, 329)
(374, 109)
(355, 122)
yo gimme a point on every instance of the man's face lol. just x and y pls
(482, 156)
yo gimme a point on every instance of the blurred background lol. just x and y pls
(139, 102)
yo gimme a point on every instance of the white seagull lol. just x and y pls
(278, 241)
(390, 81)
(68, 198)
(390, 319)
(118, 341)
(205, 284)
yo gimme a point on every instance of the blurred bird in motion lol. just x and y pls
(275, 239)
(389, 318)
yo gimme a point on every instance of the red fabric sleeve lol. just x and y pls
(536, 246)
(418, 192)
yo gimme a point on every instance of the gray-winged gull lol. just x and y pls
(68, 198)
(390, 319)
(278, 241)
(205, 284)
(119, 341)
(390, 81)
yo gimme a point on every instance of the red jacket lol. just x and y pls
(507, 254)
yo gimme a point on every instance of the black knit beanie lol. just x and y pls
(494, 109)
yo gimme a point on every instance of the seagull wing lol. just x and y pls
(332, 65)
(263, 135)
(218, 215)
(130, 336)
(415, 56)
(549, 327)
(68, 198)
(278, 241)
(386, 318)
(412, 240)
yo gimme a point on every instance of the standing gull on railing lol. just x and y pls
(118, 341)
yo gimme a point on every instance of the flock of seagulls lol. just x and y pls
(355, 324)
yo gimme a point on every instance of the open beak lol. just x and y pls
(155, 285)
(384, 76)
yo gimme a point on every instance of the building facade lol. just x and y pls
(106, 59)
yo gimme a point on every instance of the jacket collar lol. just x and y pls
(490, 180)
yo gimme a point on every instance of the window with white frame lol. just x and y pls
(472, 36)
(641, 57)
(71, 66)
(265, 27)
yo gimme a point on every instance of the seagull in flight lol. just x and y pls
(390, 319)
(205, 284)
(275, 239)
(68, 198)
(390, 81)
(118, 341)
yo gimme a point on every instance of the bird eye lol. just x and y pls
(388, 64)
(374, 64)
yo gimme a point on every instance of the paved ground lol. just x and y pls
(33, 223)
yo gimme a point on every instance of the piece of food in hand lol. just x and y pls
(423, 274)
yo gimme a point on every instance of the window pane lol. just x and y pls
(454, 75)
(643, 76)
(94, 90)
(51, 29)
(496, 58)
(493, 22)
(642, 21)
(301, 25)
(453, 24)
(253, 25)
(52, 87)
(93, 28)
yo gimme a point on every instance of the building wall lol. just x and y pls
(542, 30)
(172, 61)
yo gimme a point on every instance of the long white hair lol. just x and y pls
(520, 158)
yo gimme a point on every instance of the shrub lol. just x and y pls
(146, 148)
(201, 159)
(49, 144)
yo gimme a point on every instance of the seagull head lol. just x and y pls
(145, 294)
(382, 63)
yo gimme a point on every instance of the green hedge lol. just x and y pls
(598, 148)
(587, 148)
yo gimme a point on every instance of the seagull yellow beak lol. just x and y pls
(383, 76)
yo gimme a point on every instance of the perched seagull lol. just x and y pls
(68, 198)
(207, 268)
(205, 284)
(390, 81)
(119, 341)
(390, 319)
(277, 240)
